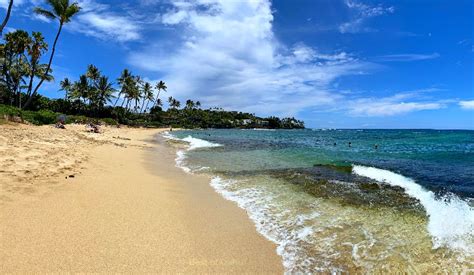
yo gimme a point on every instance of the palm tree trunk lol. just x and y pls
(28, 102)
(146, 106)
(32, 77)
(126, 105)
(157, 97)
(118, 97)
(143, 105)
(7, 17)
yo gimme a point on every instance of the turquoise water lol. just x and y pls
(348, 200)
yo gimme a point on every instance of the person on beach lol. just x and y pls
(60, 122)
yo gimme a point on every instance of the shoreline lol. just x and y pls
(126, 208)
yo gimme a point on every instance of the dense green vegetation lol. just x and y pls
(92, 97)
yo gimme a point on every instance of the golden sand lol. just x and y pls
(72, 201)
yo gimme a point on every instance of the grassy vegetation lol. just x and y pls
(43, 117)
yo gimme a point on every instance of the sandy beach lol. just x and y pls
(72, 201)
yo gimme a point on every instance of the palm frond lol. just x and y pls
(44, 13)
(71, 11)
(57, 6)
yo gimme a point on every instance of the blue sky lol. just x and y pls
(332, 63)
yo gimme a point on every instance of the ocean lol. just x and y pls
(347, 200)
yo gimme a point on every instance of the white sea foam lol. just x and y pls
(282, 228)
(180, 158)
(263, 129)
(451, 219)
(167, 135)
(194, 143)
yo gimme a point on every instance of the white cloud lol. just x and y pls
(41, 18)
(227, 56)
(16, 3)
(362, 12)
(467, 104)
(407, 57)
(397, 104)
(106, 26)
(98, 20)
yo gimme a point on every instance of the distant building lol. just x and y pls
(246, 121)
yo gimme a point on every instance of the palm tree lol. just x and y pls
(147, 95)
(7, 17)
(63, 12)
(159, 102)
(93, 73)
(81, 88)
(136, 92)
(121, 81)
(35, 50)
(131, 91)
(174, 104)
(160, 86)
(66, 86)
(190, 104)
(198, 104)
(105, 91)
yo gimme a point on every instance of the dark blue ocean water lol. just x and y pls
(439, 160)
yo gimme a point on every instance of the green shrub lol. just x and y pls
(41, 117)
(9, 111)
(109, 121)
(77, 119)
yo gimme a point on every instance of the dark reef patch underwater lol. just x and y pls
(403, 205)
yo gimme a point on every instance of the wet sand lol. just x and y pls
(72, 201)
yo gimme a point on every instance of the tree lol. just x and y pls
(160, 86)
(7, 17)
(174, 104)
(105, 91)
(190, 104)
(62, 11)
(37, 48)
(20, 57)
(81, 88)
(136, 94)
(122, 82)
(15, 64)
(66, 86)
(93, 74)
(148, 96)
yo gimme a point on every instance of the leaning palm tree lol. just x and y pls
(62, 11)
(122, 80)
(7, 17)
(147, 95)
(160, 86)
